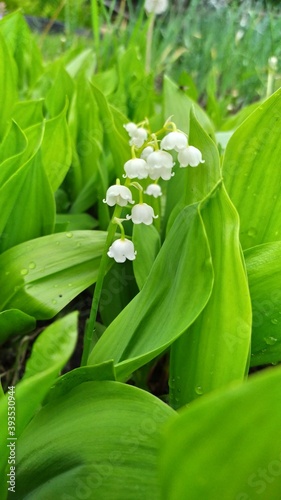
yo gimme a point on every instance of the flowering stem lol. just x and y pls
(149, 39)
(90, 325)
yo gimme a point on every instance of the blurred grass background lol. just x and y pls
(217, 50)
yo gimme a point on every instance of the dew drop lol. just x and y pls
(69, 235)
(69, 284)
(57, 242)
(270, 340)
(56, 286)
(31, 265)
(252, 232)
(199, 390)
(54, 301)
(274, 321)
(24, 271)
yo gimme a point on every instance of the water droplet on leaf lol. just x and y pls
(270, 340)
(199, 390)
(24, 271)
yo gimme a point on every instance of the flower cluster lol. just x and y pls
(152, 160)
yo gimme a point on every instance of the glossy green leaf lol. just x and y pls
(61, 90)
(202, 358)
(8, 85)
(264, 274)
(15, 322)
(23, 47)
(42, 276)
(26, 204)
(77, 376)
(191, 185)
(74, 222)
(13, 144)
(180, 281)
(226, 445)
(50, 352)
(28, 113)
(178, 105)
(118, 138)
(100, 440)
(56, 149)
(252, 173)
(147, 243)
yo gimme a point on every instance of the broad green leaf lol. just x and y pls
(15, 322)
(178, 105)
(42, 276)
(67, 382)
(264, 274)
(28, 113)
(117, 137)
(252, 173)
(82, 63)
(14, 143)
(226, 445)
(27, 205)
(147, 242)
(202, 358)
(50, 352)
(99, 440)
(23, 47)
(56, 149)
(106, 81)
(178, 288)
(190, 185)
(8, 85)
(61, 90)
(74, 222)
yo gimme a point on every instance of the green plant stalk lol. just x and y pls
(95, 25)
(90, 325)
(149, 40)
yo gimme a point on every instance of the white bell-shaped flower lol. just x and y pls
(121, 250)
(190, 156)
(174, 140)
(160, 159)
(146, 152)
(136, 168)
(130, 127)
(156, 6)
(163, 173)
(118, 195)
(142, 213)
(138, 134)
(153, 190)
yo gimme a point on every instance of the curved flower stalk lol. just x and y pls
(151, 158)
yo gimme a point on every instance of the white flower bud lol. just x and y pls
(190, 156)
(174, 140)
(146, 152)
(138, 134)
(142, 213)
(118, 195)
(153, 190)
(121, 250)
(156, 6)
(130, 127)
(160, 159)
(136, 168)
